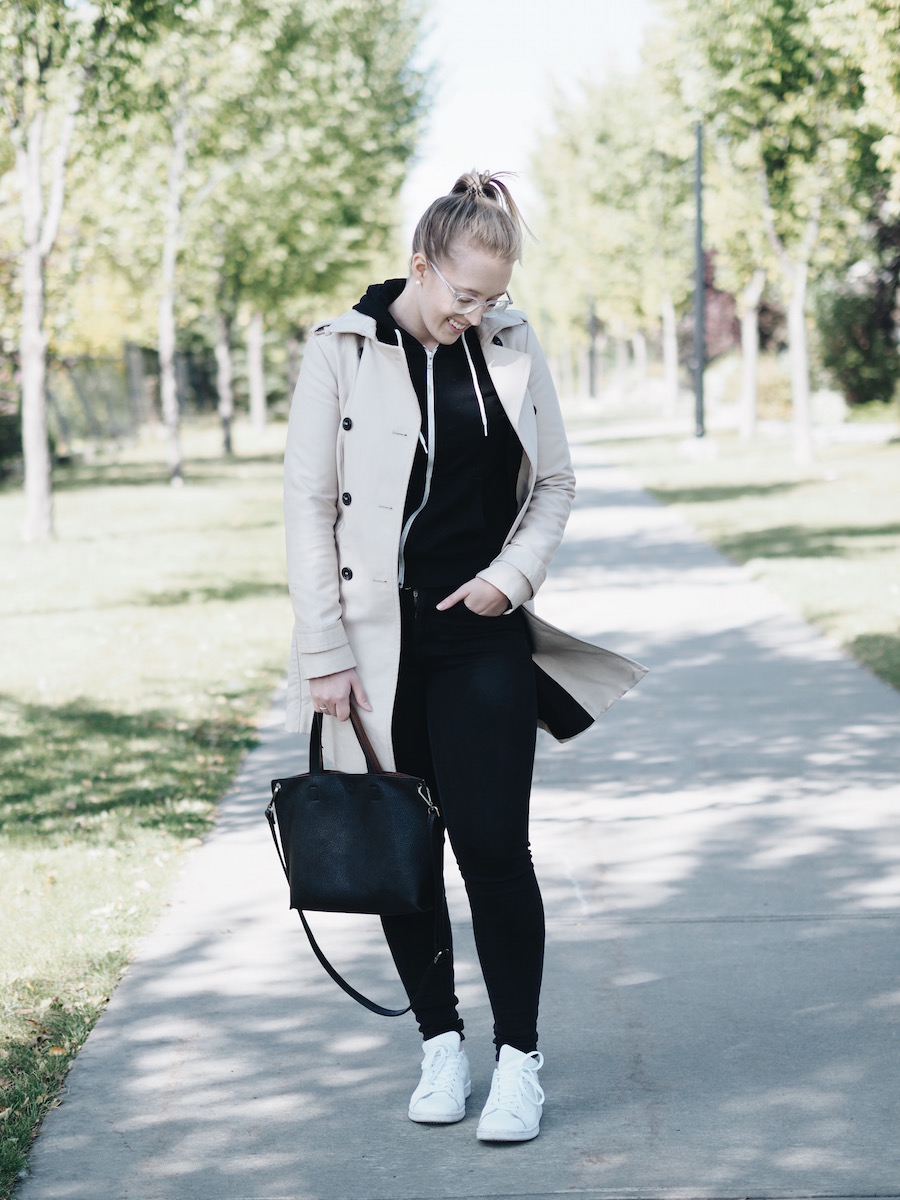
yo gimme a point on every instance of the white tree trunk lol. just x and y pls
(33, 342)
(795, 271)
(621, 358)
(639, 353)
(40, 230)
(167, 384)
(750, 298)
(256, 373)
(224, 379)
(799, 366)
(670, 355)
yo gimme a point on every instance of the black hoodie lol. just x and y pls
(458, 512)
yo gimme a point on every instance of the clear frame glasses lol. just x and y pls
(462, 303)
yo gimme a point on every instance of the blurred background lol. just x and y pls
(186, 186)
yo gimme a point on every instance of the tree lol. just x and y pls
(743, 256)
(337, 114)
(616, 232)
(792, 100)
(251, 205)
(52, 56)
(868, 32)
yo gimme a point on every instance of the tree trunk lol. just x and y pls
(224, 377)
(256, 375)
(33, 343)
(621, 358)
(167, 384)
(750, 298)
(799, 366)
(40, 232)
(795, 271)
(670, 355)
(639, 353)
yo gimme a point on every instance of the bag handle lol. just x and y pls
(316, 762)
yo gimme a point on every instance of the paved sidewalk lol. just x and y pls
(720, 861)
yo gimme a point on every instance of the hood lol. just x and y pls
(371, 317)
(376, 304)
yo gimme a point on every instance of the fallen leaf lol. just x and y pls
(56, 1050)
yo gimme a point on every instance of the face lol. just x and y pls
(466, 269)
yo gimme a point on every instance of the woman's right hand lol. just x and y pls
(331, 693)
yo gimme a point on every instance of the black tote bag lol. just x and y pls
(368, 842)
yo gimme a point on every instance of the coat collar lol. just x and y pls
(364, 326)
(509, 369)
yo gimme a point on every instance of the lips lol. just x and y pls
(453, 325)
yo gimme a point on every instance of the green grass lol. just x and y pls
(826, 538)
(137, 652)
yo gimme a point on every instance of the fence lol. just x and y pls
(104, 399)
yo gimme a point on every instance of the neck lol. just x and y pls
(405, 312)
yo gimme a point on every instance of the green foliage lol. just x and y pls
(858, 339)
(615, 230)
(869, 32)
(786, 103)
(10, 432)
(282, 198)
(773, 401)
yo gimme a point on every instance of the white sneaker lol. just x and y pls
(440, 1098)
(514, 1107)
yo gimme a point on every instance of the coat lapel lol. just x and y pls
(509, 371)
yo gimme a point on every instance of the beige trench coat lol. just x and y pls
(352, 435)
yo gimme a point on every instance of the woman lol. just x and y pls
(427, 486)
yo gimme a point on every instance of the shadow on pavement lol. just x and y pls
(720, 863)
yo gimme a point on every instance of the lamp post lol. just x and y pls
(699, 293)
(593, 326)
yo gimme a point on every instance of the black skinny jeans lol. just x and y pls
(465, 719)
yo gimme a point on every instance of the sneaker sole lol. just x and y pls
(437, 1120)
(524, 1135)
(442, 1118)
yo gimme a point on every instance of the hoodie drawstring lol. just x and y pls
(477, 388)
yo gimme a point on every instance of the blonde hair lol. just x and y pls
(479, 211)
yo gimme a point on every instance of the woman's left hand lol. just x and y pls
(479, 597)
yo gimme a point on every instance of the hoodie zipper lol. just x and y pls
(429, 461)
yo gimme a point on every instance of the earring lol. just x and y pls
(418, 283)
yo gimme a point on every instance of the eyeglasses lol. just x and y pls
(466, 304)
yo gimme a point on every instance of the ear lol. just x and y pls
(418, 265)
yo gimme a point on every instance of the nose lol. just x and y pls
(474, 317)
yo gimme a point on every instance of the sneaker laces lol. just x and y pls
(441, 1068)
(518, 1083)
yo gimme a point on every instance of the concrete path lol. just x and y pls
(720, 860)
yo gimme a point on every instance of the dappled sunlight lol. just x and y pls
(720, 863)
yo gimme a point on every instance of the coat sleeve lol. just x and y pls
(521, 566)
(310, 510)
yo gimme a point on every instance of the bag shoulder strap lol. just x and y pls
(440, 907)
(358, 996)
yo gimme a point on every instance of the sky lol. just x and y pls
(493, 68)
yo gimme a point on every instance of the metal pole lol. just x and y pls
(592, 351)
(699, 294)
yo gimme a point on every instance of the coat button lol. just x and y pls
(346, 498)
(346, 573)
(347, 423)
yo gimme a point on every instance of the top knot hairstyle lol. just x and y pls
(478, 211)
